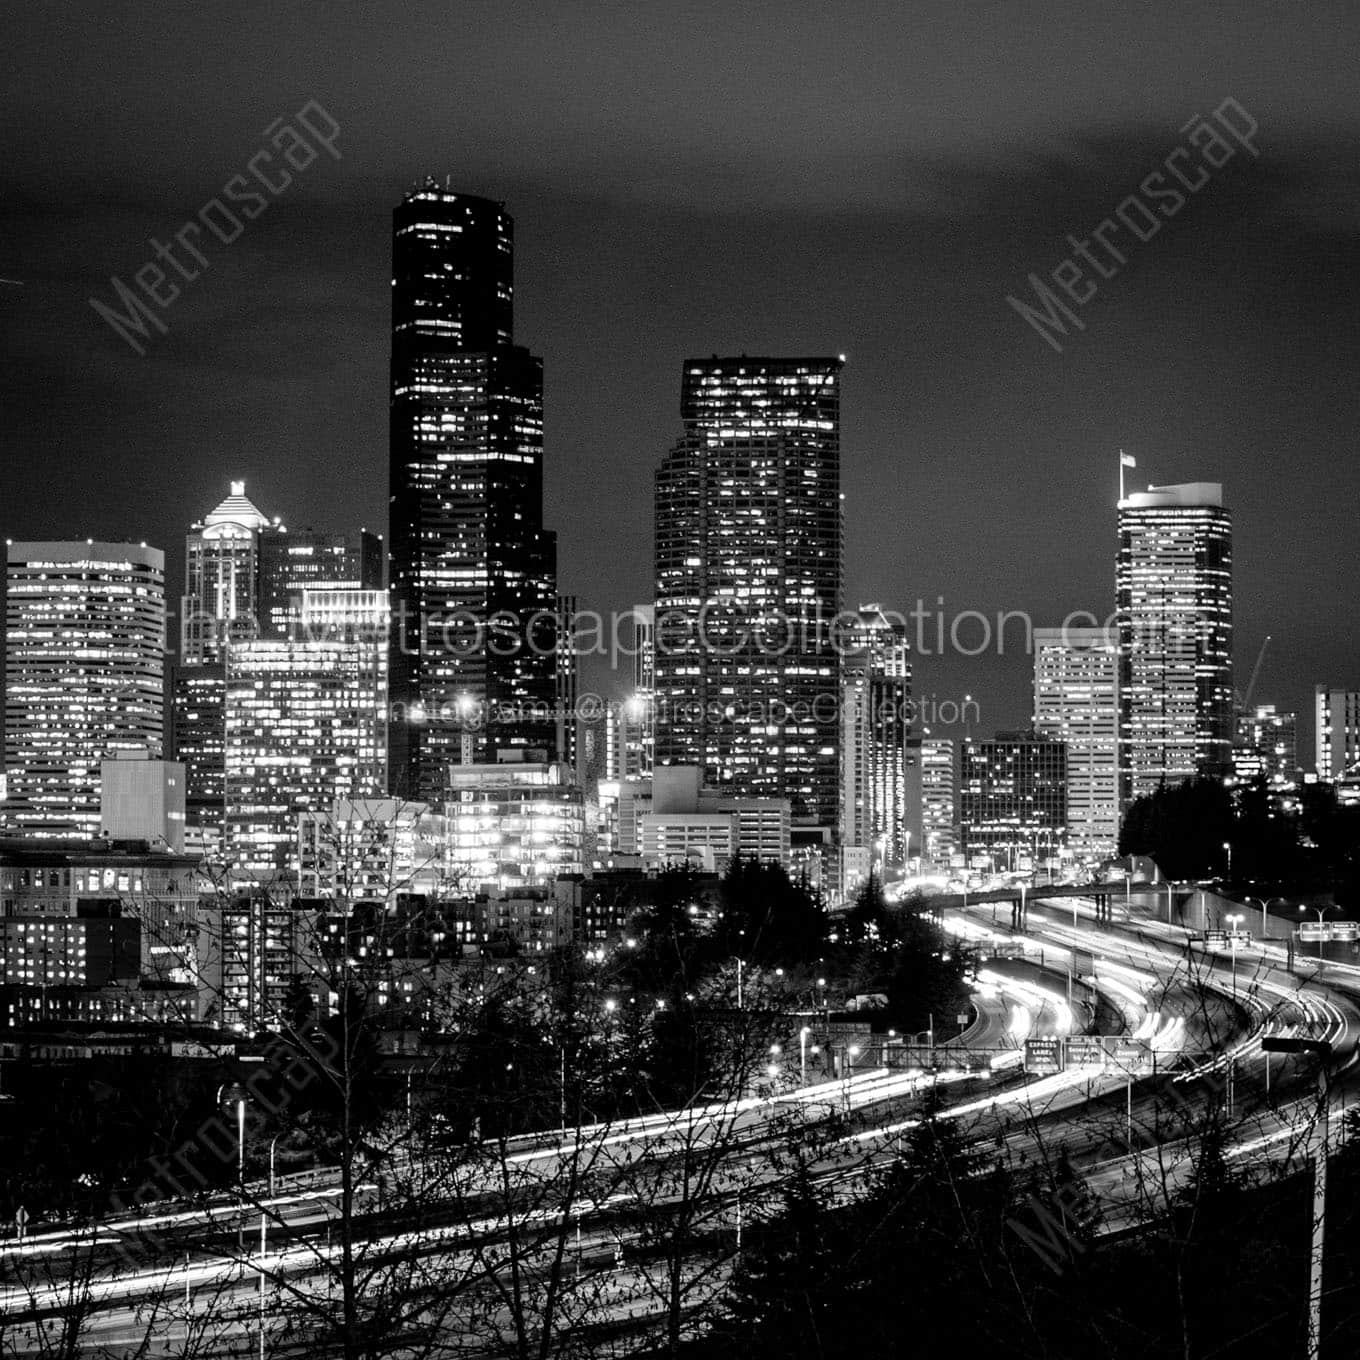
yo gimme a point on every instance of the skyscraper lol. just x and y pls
(306, 724)
(1174, 589)
(1076, 702)
(473, 571)
(1012, 799)
(84, 675)
(221, 574)
(1336, 732)
(937, 803)
(749, 546)
(221, 600)
(876, 743)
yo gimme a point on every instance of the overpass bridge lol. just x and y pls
(1019, 896)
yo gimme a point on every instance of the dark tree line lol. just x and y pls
(929, 1261)
(1185, 826)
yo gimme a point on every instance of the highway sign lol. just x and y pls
(1043, 1057)
(1085, 1050)
(1127, 1055)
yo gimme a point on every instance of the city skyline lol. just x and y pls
(902, 260)
(680, 680)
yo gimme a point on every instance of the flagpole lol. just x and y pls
(1121, 474)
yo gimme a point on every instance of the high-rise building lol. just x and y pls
(221, 578)
(876, 740)
(938, 836)
(1076, 702)
(306, 726)
(294, 560)
(221, 601)
(1012, 800)
(473, 571)
(1336, 719)
(198, 733)
(1266, 747)
(566, 715)
(84, 675)
(749, 547)
(1174, 586)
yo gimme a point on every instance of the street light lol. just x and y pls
(848, 1058)
(234, 1091)
(273, 1143)
(1227, 845)
(1265, 907)
(1234, 920)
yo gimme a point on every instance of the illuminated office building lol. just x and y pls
(515, 823)
(749, 544)
(1266, 747)
(294, 560)
(1336, 729)
(84, 675)
(876, 741)
(306, 725)
(1012, 800)
(1174, 589)
(938, 834)
(375, 850)
(473, 571)
(221, 576)
(1076, 702)
(198, 735)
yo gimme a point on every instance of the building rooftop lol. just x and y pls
(1190, 494)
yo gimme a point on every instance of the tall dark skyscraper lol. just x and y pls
(473, 571)
(749, 547)
(1174, 585)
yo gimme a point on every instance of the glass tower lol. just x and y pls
(1174, 595)
(749, 545)
(473, 571)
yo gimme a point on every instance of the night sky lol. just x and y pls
(869, 180)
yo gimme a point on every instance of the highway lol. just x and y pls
(1202, 1021)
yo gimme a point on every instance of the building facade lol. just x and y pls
(1336, 728)
(1012, 801)
(1266, 747)
(375, 850)
(1174, 595)
(877, 747)
(1076, 702)
(296, 560)
(84, 675)
(749, 549)
(515, 824)
(473, 570)
(221, 578)
(306, 725)
(937, 802)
